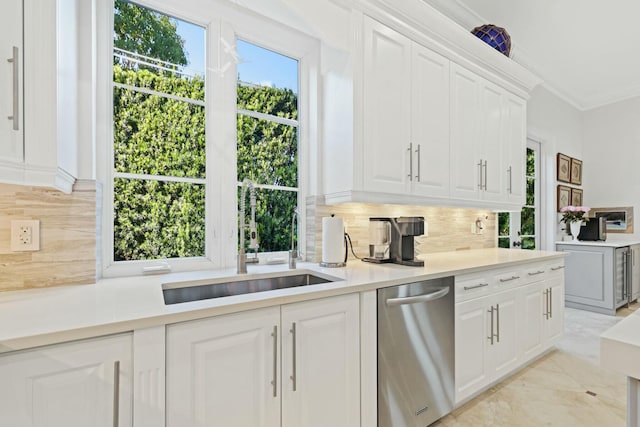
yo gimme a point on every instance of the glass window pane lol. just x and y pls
(158, 136)
(504, 242)
(531, 162)
(527, 221)
(528, 243)
(503, 224)
(260, 67)
(158, 220)
(267, 152)
(531, 192)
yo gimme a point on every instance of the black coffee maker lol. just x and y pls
(403, 231)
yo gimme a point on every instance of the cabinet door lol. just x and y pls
(502, 354)
(491, 117)
(554, 325)
(465, 168)
(68, 385)
(515, 141)
(321, 363)
(387, 103)
(531, 320)
(430, 122)
(10, 81)
(471, 330)
(224, 371)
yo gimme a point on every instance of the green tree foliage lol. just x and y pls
(158, 136)
(141, 30)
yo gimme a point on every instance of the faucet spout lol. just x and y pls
(242, 259)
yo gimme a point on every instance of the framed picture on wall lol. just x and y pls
(618, 219)
(564, 168)
(564, 196)
(576, 197)
(576, 171)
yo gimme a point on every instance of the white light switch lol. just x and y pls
(25, 235)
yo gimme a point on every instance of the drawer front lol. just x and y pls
(473, 286)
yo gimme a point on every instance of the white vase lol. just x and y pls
(575, 229)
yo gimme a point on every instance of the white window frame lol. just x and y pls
(224, 23)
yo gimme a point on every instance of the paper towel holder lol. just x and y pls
(341, 263)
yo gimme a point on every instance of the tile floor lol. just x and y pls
(565, 388)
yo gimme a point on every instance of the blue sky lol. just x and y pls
(258, 65)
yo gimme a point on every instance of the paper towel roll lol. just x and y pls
(332, 240)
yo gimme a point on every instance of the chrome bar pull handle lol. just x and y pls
(480, 170)
(546, 304)
(479, 285)
(15, 116)
(550, 303)
(418, 160)
(560, 267)
(274, 382)
(498, 322)
(410, 150)
(490, 337)
(510, 171)
(485, 175)
(535, 273)
(116, 393)
(293, 344)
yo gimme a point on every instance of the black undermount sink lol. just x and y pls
(175, 293)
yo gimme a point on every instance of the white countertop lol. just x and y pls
(620, 346)
(610, 242)
(38, 317)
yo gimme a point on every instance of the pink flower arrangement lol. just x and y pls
(574, 213)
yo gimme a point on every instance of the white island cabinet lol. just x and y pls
(78, 384)
(294, 365)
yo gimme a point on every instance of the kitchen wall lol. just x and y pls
(611, 153)
(449, 228)
(67, 252)
(558, 126)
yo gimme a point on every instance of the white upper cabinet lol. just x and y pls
(426, 130)
(387, 108)
(40, 147)
(11, 49)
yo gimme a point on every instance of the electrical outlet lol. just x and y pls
(25, 235)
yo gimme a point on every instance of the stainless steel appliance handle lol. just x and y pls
(546, 304)
(274, 382)
(480, 285)
(535, 273)
(293, 376)
(15, 116)
(480, 170)
(410, 150)
(418, 298)
(418, 158)
(490, 337)
(510, 170)
(116, 393)
(498, 322)
(510, 279)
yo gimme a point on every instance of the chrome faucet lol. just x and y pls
(243, 259)
(293, 253)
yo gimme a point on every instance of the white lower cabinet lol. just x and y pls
(78, 384)
(505, 319)
(294, 365)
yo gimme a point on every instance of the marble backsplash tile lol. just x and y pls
(449, 228)
(67, 252)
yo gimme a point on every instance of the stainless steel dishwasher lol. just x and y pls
(415, 353)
